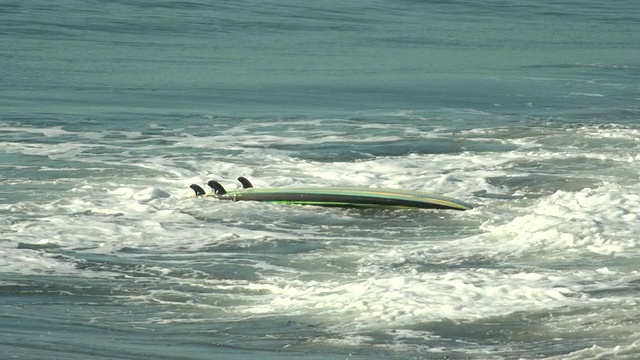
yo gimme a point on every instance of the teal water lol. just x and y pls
(528, 110)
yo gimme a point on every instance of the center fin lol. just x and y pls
(217, 188)
(246, 184)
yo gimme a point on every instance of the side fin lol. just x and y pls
(246, 184)
(217, 188)
(198, 190)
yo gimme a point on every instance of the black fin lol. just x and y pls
(246, 184)
(217, 188)
(199, 191)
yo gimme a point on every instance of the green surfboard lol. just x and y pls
(348, 197)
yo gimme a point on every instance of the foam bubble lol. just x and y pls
(149, 194)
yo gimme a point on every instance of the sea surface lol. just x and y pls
(109, 110)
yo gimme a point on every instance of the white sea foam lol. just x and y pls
(596, 352)
(527, 247)
(586, 94)
(380, 302)
(47, 132)
(31, 261)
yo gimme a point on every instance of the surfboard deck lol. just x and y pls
(349, 197)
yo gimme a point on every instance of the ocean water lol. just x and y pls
(109, 110)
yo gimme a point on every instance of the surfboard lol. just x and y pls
(347, 197)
